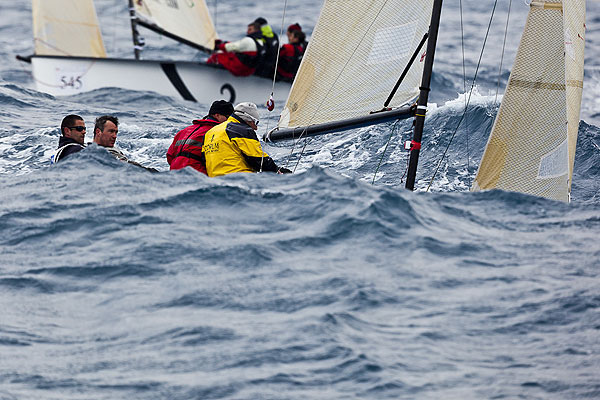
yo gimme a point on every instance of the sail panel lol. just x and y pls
(356, 54)
(66, 28)
(528, 149)
(188, 19)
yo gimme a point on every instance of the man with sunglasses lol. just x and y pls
(233, 146)
(71, 140)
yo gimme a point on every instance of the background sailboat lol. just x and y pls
(70, 57)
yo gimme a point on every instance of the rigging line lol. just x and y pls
(469, 98)
(276, 66)
(270, 101)
(301, 153)
(278, 52)
(462, 44)
(384, 150)
(503, 49)
(335, 81)
(216, 14)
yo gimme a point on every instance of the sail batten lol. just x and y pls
(356, 54)
(66, 28)
(532, 144)
(189, 20)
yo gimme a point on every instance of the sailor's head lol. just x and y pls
(73, 127)
(253, 27)
(106, 130)
(294, 27)
(249, 113)
(260, 21)
(220, 110)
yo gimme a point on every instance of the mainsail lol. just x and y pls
(532, 145)
(66, 28)
(356, 54)
(186, 19)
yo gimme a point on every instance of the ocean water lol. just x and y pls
(116, 283)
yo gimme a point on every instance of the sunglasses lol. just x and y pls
(77, 128)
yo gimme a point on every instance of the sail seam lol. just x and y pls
(546, 5)
(575, 83)
(537, 85)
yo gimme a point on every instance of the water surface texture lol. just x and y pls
(116, 283)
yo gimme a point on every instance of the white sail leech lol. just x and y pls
(356, 54)
(67, 28)
(188, 19)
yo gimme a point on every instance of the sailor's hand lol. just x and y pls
(219, 44)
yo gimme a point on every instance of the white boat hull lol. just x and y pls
(67, 76)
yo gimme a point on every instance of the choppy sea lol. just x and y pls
(116, 283)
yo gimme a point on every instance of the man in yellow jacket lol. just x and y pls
(232, 146)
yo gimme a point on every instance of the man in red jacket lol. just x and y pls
(186, 149)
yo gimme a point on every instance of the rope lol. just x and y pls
(331, 88)
(462, 44)
(469, 98)
(277, 59)
(502, 56)
(384, 150)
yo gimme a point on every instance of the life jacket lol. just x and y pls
(66, 147)
(271, 41)
(234, 147)
(186, 149)
(250, 59)
(290, 59)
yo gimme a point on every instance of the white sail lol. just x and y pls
(188, 19)
(356, 54)
(532, 144)
(66, 28)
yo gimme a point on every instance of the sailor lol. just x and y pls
(186, 149)
(71, 141)
(291, 54)
(106, 130)
(243, 56)
(267, 65)
(234, 147)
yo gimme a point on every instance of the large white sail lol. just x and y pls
(356, 54)
(532, 145)
(188, 19)
(66, 28)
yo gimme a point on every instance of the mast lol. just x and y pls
(137, 47)
(415, 145)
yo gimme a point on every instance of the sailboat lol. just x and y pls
(531, 148)
(70, 56)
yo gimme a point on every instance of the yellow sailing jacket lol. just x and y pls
(232, 146)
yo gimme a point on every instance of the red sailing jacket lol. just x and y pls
(186, 149)
(243, 57)
(290, 57)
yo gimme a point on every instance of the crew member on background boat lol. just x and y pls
(291, 54)
(267, 65)
(186, 149)
(72, 130)
(234, 147)
(106, 130)
(243, 56)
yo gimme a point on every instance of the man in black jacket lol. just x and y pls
(72, 136)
